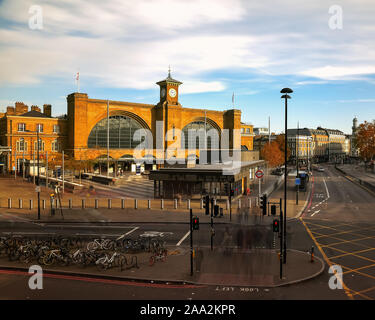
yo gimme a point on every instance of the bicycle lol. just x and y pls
(161, 255)
(103, 244)
(106, 261)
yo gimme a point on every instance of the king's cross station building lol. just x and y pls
(105, 132)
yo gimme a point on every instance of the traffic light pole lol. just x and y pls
(212, 223)
(281, 239)
(191, 242)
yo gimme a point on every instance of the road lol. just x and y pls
(339, 221)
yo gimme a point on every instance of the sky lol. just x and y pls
(323, 50)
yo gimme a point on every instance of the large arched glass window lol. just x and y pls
(194, 130)
(121, 132)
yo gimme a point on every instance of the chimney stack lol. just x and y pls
(35, 108)
(47, 110)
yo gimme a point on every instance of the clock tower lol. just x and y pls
(169, 89)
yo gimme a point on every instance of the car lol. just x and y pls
(321, 169)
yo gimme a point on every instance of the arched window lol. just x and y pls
(121, 133)
(194, 130)
(21, 145)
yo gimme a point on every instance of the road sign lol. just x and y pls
(298, 181)
(259, 174)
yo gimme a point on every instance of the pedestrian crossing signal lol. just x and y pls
(275, 225)
(195, 223)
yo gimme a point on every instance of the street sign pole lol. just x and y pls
(212, 223)
(191, 242)
(281, 239)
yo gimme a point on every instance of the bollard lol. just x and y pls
(162, 204)
(83, 203)
(175, 203)
(135, 203)
(239, 203)
(227, 204)
(96, 203)
(149, 204)
(44, 204)
(122, 203)
(249, 202)
(31, 204)
(188, 203)
(9, 203)
(201, 203)
(109, 203)
(70, 203)
(20, 203)
(312, 254)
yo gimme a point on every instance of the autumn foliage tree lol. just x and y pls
(273, 152)
(365, 140)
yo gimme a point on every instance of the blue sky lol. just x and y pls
(215, 47)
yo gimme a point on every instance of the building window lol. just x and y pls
(56, 128)
(21, 145)
(55, 146)
(247, 130)
(194, 130)
(242, 130)
(39, 127)
(121, 131)
(41, 145)
(22, 127)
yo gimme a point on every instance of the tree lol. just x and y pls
(272, 153)
(280, 139)
(365, 141)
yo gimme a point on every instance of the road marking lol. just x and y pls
(347, 290)
(315, 213)
(326, 188)
(125, 234)
(183, 238)
(83, 226)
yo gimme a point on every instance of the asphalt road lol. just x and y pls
(339, 221)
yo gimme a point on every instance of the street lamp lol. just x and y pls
(286, 97)
(38, 184)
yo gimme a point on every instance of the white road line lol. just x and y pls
(125, 234)
(315, 213)
(183, 238)
(326, 188)
(82, 226)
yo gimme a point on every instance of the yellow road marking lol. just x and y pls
(351, 253)
(347, 290)
(353, 270)
(350, 241)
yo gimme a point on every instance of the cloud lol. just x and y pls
(191, 86)
(357, 100)
(339, 72)
(127, 44)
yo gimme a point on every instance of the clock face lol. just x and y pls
(172, 92)
(162, 92)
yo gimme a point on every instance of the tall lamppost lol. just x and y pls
(286, 97)
(38, 184)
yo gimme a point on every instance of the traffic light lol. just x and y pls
(216, 210)
(206, 205)
(275, 225)
(195, 223)
(232, 193)
(273, 210)
(263, 204)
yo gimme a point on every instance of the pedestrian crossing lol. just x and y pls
(138, 188)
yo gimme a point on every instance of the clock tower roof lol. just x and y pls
(169, 79)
